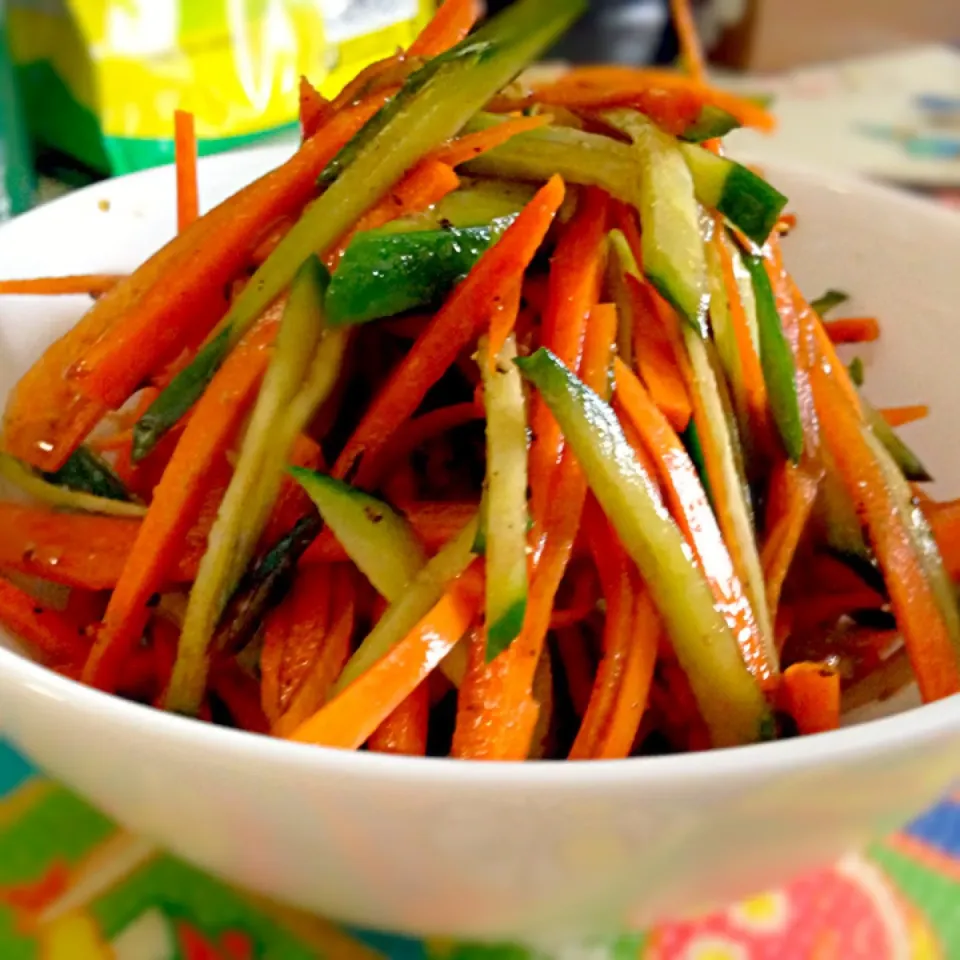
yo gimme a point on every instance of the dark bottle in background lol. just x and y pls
(616, 31)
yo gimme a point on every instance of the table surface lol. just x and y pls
(74, 887)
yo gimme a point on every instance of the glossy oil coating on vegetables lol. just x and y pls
(491, 425)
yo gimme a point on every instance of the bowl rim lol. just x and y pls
(902, 731)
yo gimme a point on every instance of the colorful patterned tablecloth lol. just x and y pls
(74, 887)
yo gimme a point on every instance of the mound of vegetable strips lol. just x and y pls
(490, 424)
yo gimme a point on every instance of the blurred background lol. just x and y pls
(88, 87)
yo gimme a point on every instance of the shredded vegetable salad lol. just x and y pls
(489, 425)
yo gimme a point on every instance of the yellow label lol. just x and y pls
(234, 64)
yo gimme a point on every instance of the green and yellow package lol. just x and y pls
(100, 79)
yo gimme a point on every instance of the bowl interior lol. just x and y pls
(896, 256)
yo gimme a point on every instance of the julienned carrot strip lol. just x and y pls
(755, 388)
(944, 520)
(790, 499)
(76, 550)
(810, 693)
(631, 637)
(178, 499)
(502, 323)
(315, 109)
(592, 87)
(239, 692)
(925, 631)
(901, 416)
(49, 636)
(497, 693)
(171, 304)
(350, 718)
(404, 732)
(319, 680)
(92, 284)
(691, 509)
(293, 632)
(414, 434)
(185, 156)
(655, 358)
(426, 184)
(576, 274)
(454, 326)
(853, 330)
(691, 50)
(472, 145)
(453, 20)
(383, 76)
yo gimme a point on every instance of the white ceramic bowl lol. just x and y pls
(536, 850)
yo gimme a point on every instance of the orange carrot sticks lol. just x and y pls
(92, 284)
(293, 633)
(607, 86)
(576, 272)
(49, 636)
(853, 330)
(239, 692)
(655, 358)
(810, 693)
(754, 385)
(185, 154)
(928, 636)
(631, 637)
(405, 730)
(351, 718)
(502, 323)
(453, 20)
(318, 681)
(178, 499)
(472, 145)
(315, 109)
(426, 184)
(901, 416)
(454, 326)
(162, 307)
(691, 509)
(790, 499)
(497, 694)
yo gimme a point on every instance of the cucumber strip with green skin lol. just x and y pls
(88, 473)
(587, 159)
(921, 538)
(620, 263)
(729, 699)
(777, 361)
(856, 371)
(836, 515)
(433, 109)
(264, 585)
(728, 187)
(377, 539)
(832, 298)
(420, 596)
(477, 203)
(909, 463)
(505, 498)
(241, 515)
(383, 274)
(673, 251)
(737, 504)
(34, 485)
(181, 394)
(712, 123)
